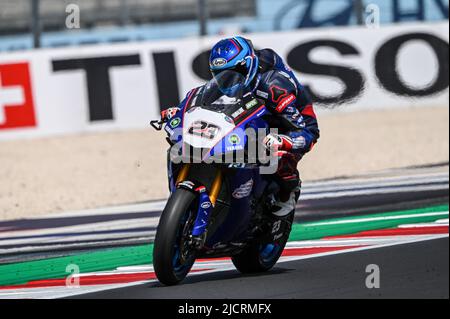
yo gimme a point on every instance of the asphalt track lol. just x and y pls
(413, 270)
(52, 236)
(417, 270)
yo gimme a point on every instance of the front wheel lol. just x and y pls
(261, 257)
(173, 256)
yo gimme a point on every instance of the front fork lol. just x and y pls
(207, 201)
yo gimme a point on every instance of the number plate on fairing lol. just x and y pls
(204, 129)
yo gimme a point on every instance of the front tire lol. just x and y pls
(172, 256)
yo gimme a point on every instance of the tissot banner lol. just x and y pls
(122, 86)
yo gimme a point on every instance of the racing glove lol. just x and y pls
(169, 113)
(278, 144)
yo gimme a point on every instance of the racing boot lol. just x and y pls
(285, 204)
(282, 216)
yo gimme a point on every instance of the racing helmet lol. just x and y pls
(233, 64)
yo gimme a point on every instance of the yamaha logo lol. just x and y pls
(234, 139)
(219, 62)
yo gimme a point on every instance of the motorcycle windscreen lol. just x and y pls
(211, 126)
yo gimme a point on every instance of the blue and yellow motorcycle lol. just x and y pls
(221, 199)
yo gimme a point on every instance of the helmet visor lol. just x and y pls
(230, 82)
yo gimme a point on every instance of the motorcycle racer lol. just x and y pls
(291, 110)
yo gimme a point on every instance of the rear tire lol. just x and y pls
(169, 268)
(262, 257)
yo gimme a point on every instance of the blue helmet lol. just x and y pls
(234, 54)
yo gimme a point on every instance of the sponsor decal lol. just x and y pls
(201, 189)
(237, 165)
(276, 237)
(251, 104)
(235, 148)
(234, 139)
(261, 113)
(238, 112)
(171, 112)
(299, 142)
(205, 205)
(219, 62)
(169, 130)
(244, 190)
(301, 123)
(285, 103)
(262, 94)
(187, 184)
(16, 100)
(229, 120)
(297, 117)
(175, 122)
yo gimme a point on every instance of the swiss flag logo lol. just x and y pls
(16, 99)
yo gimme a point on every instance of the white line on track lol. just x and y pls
(388, 182)
(338, 193)
(373, 219)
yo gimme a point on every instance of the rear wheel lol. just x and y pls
(261, 257)
(173, 254)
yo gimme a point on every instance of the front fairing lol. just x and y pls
(215, 123)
